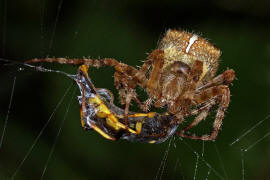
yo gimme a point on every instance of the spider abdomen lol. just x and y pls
(187, 47)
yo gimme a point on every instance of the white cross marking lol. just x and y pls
(191, 41)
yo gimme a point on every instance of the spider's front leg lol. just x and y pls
(155, 59)
(123, 75)
(126, 81)
(77, 61)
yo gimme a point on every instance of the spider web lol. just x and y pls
(45, 140)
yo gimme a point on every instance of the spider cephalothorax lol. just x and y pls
(179, 74)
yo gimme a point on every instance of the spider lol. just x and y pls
(179, 74)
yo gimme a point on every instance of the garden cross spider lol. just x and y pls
(179, 74)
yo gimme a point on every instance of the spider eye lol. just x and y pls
(180, 68)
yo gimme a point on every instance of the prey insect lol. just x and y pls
(98, 113)
(178, 75)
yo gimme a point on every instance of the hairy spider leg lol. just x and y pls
(204, 110)
(224, 92)
(155, 59)
(126, 90)
(225, 78)
(153, 82)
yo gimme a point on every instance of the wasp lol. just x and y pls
(98, 113)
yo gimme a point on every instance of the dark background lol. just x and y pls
(127, 30)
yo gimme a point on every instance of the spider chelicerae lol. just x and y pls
(179, 74)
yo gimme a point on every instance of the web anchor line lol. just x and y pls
(40, 133)
(250, 130)
(8, 112)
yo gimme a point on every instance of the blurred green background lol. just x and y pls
(127, 30)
